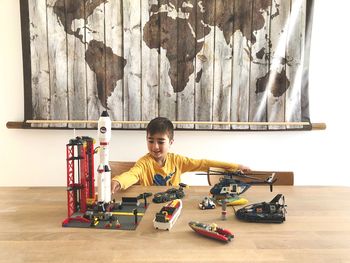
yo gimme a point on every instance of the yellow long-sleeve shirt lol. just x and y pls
(148, 172)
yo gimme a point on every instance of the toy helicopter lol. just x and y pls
(233, 184)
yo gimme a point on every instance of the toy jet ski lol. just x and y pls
(272, 212)
(211, 231)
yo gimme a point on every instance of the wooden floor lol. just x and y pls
(317, 229)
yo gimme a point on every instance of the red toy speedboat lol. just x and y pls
(212, 231)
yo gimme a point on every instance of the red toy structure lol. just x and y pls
(80, 175)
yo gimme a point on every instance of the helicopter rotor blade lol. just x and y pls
(271, 179)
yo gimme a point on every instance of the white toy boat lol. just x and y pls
(168, 215)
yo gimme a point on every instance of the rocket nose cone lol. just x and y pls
(104, 114)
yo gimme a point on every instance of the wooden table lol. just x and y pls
(317, 229)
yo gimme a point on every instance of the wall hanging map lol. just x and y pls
(195, 60)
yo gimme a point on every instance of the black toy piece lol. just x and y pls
(170, 194)
(144, 196)
(272, 212)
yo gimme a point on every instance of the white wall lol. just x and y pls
(37, 157)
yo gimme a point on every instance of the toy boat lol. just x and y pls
(265, 212)
(168, 215)
(211, 231)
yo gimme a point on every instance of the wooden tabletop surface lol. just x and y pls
(317, 229)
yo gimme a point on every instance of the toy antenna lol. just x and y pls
(234, 209)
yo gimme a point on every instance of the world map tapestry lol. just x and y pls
(195, 60)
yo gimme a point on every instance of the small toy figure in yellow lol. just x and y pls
(159, 167)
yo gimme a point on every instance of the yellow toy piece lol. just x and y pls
(234, 201)
(90, 201)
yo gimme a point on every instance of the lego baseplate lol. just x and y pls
(120, 217)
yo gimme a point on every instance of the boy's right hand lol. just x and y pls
(244, 168)
(115, 187)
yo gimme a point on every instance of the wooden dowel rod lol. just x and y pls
(318, 126)
(174, 122)
(60, 121)
(17, 125)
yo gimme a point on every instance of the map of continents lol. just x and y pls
(167, 17)
(69, 10)
(196, 19)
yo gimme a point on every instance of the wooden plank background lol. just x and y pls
(76, 73)
(40, 83)
(114, 39)
(217, 60)
(241, 63)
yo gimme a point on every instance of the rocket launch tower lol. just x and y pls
(84, 209)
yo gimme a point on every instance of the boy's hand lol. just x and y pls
(243, 168)
(115, 187)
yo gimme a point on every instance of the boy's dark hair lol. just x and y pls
(161, 125)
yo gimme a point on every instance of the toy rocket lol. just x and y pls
(104, 171)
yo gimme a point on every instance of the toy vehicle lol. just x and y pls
(236, 183)
(170, 194)
(212, 231)
(272, 212)
(168, 215)
(207, 203)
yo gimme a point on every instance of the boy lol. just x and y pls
(159, 167)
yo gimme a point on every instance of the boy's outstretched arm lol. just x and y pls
(190, 165)
(126, 179)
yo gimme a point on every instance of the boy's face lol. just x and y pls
(158, 146)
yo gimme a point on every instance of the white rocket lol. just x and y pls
(104, 171)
